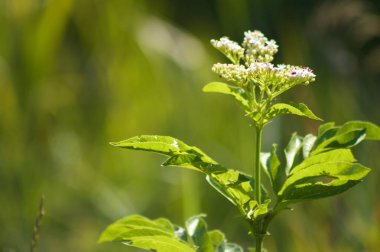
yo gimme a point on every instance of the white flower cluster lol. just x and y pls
(301, 74)
(280, 76)
(237, 74)
(258, 47)
(229, 48)
(251, 62)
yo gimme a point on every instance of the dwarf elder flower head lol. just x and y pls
(252, 66)
(279, 78)
(258, 47)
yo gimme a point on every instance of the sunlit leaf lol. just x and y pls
(372, 131)
(336, 155)
(138, 231)
(346, 139)
(232, 184)
(322, 180)
(180, 154)
(299, 109)
(238, 93)
(235, 186)
(162, 236)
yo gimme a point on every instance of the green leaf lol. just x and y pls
(336, 155)
(346, 139)
(180, 154)
(322, 180)
(271, 165)
(293, 152)
(299, 109)
(324, 127)
(207, 241)
(162, 236)
(327, 166)
(238, 93)
(197, 230)
(138, 231)
(217, 239)
(234, 185)
(372, 130)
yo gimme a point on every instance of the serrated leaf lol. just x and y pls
(180, 153)
(322, 180)
(238, 93)
(141, 232)
(372, 130)
(293, 152)
(299, 109)
(271, 165)
(232, 184)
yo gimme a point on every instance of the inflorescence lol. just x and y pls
(251, 65)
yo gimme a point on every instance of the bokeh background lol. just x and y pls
(75, 75)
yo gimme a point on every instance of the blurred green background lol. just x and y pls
(75, 75)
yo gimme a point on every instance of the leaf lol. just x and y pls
(232, 184)
(347, 139)
(322, 180)
(372, 130)
(138, 231)
(180, 154)
(324, 127)
(238, 93)
(208, 241)
(162, 236)
(293, 151)
(217, 238)
(197, 230)
(235, 186)
(271, 165)
(336, 155)
(327, 166)
(307, 145)
(299, 109)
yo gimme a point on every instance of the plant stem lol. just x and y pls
(257, 165)
(258, 232)
(258, 243)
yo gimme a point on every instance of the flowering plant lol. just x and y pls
(316, 166)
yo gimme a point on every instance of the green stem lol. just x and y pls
(257, 165)
(259, 243)
(258, 235)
